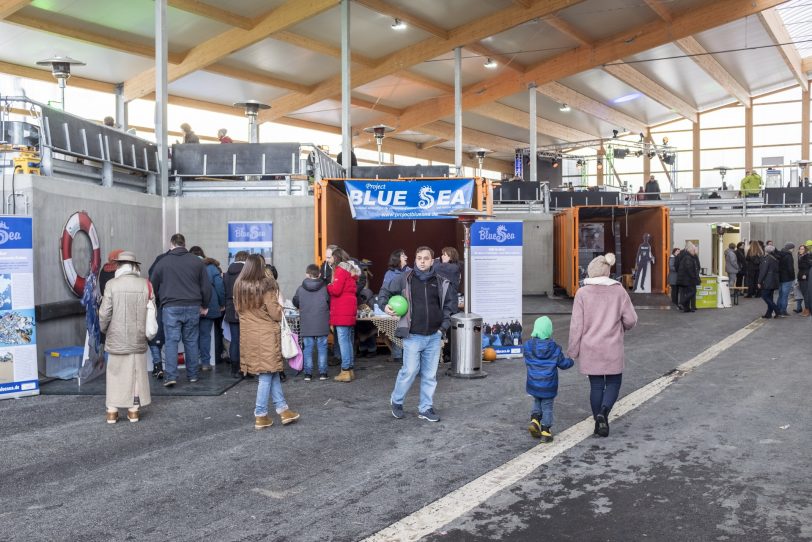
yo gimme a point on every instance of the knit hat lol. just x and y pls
(769, 249)
(601, 266)
(542, 328)
(789, 246)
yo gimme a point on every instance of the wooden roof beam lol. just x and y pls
(38, 74)
(653, 90)
(7, 7)
(716, 71)
(523, 3)
(209, 11)
(389, 10)
(436, 154)
(568, 30)
(427, 49)
(473, 137)
(432, 143)
(657, 7)
(230, 41)
(778, 32)
(506, 61)
(621, 45)
(806, 64)
(565, 95)
(257, 77)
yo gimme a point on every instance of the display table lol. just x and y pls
(387, 325)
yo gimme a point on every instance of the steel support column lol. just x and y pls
(534, 173)
(458, 110)
(346, 89)
(161, 94)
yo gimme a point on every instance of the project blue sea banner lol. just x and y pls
(415, 199)
(251, 237)
(496, 284)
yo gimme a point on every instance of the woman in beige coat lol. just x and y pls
(257, 301)
(123, 317)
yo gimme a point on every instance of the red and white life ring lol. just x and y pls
(79, 221)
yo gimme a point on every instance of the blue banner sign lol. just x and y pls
(496, 234)
(407, 200)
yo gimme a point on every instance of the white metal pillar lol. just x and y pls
(458, 110)
(122, 116)
(533, 134)
(161, 95)
(346, 89)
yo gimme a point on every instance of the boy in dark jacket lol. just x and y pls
(543, 358)
(313, 303)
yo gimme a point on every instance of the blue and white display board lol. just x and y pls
(252, 237)
(496, 287)
(18, 332)
(408, 199)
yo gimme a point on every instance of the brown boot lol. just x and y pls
(805, 312)
(112, 417)
(344, 376)
(288, 416)
(261, 422)
(352, 374)
(133, 415)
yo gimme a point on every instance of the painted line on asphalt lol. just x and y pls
(444, 510)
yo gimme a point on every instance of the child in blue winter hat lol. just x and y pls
(543, 358)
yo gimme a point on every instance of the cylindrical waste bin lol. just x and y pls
(466, 346)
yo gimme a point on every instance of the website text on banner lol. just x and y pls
(496, 287)
(18, 337)
(415, 199)
(252, 237)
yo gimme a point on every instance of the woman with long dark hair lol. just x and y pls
(257, 301)
(398, 264)
(755, 253)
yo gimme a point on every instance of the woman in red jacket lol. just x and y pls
(343, 307)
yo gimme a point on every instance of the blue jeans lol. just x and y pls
(155, 351)
(421, 355)
(772, 308)
(397, 351)
(543, 408)
(269, 384)
(181, 322)
(604, 390)
(783, 296)
(321, 347)
(204, 330)
(346, 343)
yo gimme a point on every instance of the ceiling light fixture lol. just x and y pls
(398, 25)
(564, 108)
(490, 64)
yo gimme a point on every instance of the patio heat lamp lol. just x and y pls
(252, 109)
(480, 158)
(466, 350)
(379, 131)
(60, 69)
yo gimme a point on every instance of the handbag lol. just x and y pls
(296, 362)
(290, 344)
(152, 315)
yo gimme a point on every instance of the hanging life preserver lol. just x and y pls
(79, 221)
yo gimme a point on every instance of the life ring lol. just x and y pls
(79, 221)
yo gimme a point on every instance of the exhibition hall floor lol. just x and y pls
(718, 451)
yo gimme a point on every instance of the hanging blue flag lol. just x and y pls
(408, 200)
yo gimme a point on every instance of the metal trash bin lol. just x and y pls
(466, 346)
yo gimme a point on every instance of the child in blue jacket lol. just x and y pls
(543, 358)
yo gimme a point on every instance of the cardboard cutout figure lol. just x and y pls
(642, 267)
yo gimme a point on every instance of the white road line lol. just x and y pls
(448, 508)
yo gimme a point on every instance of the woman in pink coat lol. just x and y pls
(601, 314)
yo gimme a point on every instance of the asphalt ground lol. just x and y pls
(194, 468)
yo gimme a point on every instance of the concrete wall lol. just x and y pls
(779, 228)
(537, 268)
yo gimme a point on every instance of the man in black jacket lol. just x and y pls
(768, 281)
(432, 300)
(182, 285)
(687, 265)
(229, 278)
(786, 276)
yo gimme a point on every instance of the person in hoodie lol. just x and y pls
(230, 316)
(543, 358)
(216, 305)
(398, 264)
(313, 302)
(602, 313)
(184, 290)
(343, 309)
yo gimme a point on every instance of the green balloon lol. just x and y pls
(398, 304)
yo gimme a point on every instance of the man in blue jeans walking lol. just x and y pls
(432, 300)
(786, 273)
(184, 291)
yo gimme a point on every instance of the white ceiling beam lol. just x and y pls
(576, 100)
(212, 50)
(653, 90)
(427, 49)
(716, 71)
(629, 42)
(568, 30)
(780, 36)
(7, 7)
(410, 19)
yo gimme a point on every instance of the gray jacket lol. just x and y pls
(731, 263)
(313, 303)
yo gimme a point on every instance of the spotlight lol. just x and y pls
(579, 164)
(614, 134)
(555, 162)
(491, 64)
(638, 153)
(651, 154)
(398, 25)
(564, 108)
(668, 158)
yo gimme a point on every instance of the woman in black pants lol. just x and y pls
(672, 276)
(688, 277)
(752, 265)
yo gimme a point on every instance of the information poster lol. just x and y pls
(18, 333)
(252, 237)
(496, 287)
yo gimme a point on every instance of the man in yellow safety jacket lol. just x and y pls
(751, 185)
